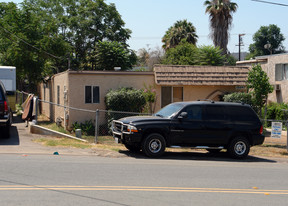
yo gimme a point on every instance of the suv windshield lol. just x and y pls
(169, 111)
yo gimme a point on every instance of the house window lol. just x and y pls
(92, 94)
(171, 94)
(281, 72)
(58, 94)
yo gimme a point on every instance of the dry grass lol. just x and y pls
(271, 148)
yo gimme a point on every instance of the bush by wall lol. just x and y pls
(239, 97)
(125, 99)
(87, 127)
(275, 111)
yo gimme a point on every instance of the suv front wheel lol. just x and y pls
(154, 145)
(239, 147)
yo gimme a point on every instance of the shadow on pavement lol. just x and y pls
(14, 135)
(198, 156)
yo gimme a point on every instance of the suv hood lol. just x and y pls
(137, 119)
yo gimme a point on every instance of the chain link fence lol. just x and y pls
(99, 122)
(104, 120)
(21, 97)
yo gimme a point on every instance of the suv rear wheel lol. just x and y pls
(154, 145)
(239, 147)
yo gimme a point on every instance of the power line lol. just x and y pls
(268, 2)
(7, 31)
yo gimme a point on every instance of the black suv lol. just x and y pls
(5, 113)
(200, 124)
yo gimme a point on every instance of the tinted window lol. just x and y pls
(215, 112)
(241, 114)
(1, 93)
(169, 110)
(194, 112)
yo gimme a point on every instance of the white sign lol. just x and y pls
(276, 129)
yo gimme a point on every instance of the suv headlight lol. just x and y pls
(131, 128)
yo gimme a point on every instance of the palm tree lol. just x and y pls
(179, 31)
(220, 21)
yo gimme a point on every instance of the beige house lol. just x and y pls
(86, 90)
(276, 67)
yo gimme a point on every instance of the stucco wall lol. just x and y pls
(282, 95)
(48, 93)
(75, 83)
(105, 81)
(268, 64)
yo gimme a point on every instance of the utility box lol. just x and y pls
(8, 77)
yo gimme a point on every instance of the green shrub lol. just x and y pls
(275, 112)
(125, 99)
(239, 97)
(87, 127)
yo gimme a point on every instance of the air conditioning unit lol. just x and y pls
(277, 87)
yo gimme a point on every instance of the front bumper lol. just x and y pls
(121, 135)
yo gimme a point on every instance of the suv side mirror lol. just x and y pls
(183, 115)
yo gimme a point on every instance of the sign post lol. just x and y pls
(286, 110)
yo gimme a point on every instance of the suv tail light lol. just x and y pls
(5, 107)
(261, 129)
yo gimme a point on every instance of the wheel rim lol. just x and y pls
(240, 148)
(155, 145)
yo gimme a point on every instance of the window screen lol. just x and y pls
(281, 72)
(96, 94)
(58, 94)
(177, 94)
(166, 96)
(92, 94)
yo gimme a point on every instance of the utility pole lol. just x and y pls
(240, 44)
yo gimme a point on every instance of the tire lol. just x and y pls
(133, 147)
(239, 148)
(154, 145)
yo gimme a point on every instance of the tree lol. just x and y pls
(108, 55)
(83, 23)
(209, 55)
(26, 42)
(40, 36)
(188, 54)
(179, 31)
(270, 36)
(149, 57)
(259, 86)
(220, 21)
(183, 54)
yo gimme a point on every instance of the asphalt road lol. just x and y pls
(90, 180)
(31, 175)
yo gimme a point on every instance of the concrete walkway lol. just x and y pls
(21, 142)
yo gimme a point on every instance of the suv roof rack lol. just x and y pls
(208, 100)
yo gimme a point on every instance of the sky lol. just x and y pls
(150, 19)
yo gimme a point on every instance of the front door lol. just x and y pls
(188, 131)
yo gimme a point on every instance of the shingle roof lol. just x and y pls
(200, 75)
